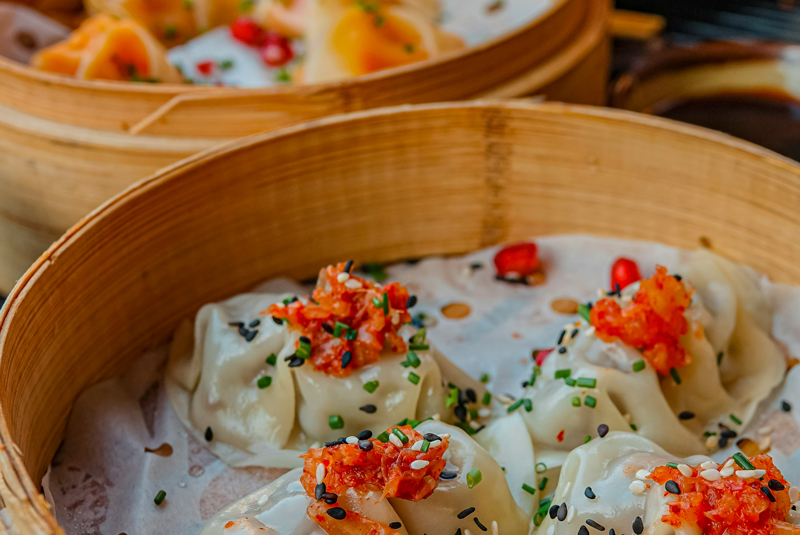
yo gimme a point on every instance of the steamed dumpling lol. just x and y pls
(438, 494)
(587, 382)
(620, 483)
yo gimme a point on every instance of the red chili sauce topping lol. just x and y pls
(362, 320)
(653, 321)
(730, 505)
(385, 468)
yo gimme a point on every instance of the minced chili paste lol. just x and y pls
(729, 505)
(361, 316)
(385, 468)
(653, 321)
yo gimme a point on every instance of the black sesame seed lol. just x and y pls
(458, 531)
(561, 337)
(431, 437)
(478, 430)
(243, 331)
(365, 445)
(686, 415)
(478, 523)
(209, 434)
(319, 490)
(236, 323)
(305, 339)
(251, 335)
(327, 328)
(728, 433)
(794, 508)
(589, 493)
(723, 442)
(332, 443)
(471, 395)
(785, 406)
(287, 359)
(524, 384)
(461, 413)
(574, 333)
(369, 409)
(672, 487)
(346, 358)
(638, 525)
(255, 323)
(395, 525)
(297, 361)
(277, 321)
(583, 531)
(348, 266)
(768, 494)
(462, 399)
(776, 485)
(447, 474)
(553, 511)
(602, 430)
(476, 265)
(562, 350)
(412, 300)
(595, 525)
(562, 512)
(677, 277)
(337, 512)
(612, 532)
(465, 513)
(366, 434)
(330, 498)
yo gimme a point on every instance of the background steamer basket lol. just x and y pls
(381, 186)
(68, 145)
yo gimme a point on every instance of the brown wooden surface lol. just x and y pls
(374, 186)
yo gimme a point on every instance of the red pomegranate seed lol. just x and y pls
(624, 272)
(520, 260)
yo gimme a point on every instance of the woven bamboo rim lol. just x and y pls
(460, 177)
(554, 43)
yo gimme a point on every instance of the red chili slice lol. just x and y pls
(517, 260)
(624, 272)
(248, 32)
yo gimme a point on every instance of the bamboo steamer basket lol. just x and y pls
(380, 185)
(68, 145)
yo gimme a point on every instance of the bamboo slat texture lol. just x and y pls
(380, 186)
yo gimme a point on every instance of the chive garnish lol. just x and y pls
(413, 359)
(452, 397)
(736, 420)
(570, 381)
(672, 465)
(638, 366)
(587, 439)
(335, 421)
(485, 378)
(371, 386)
(586, 382)
(543, 483)
(742, 461)
(419, 347)
(719, 358)
(589, 401)
(530, 490)
(474, 477)
(516, 405)
(413, 378)
(264, 382)
(576, 401)
(585, 312)
(675, 377)
(385, 304)
(541, 468)
(399, 434)
(563, 374)
(528, 405)
(159, 499)
(487, 398)
(272, 359)
(383, 437)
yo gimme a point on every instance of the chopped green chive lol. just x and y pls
(413, 359)
(419, 347)
(377, 302)
(264, 382)
(585, 382)
(474, 477)
(452, 397)
(413, 377)
(283, 76)
(425, 446)
(707, 434)
(352, 334)
(528, 405)
(159, 499)
(585, 312)
(736, 420)
(633, 426)
(385, 304)
(672, 465)
(272, 359)
(576, 401)
(399, 434)
(473, 413)
(563, 374)
(226, 64)
(288, 301)
(419, 338)
(589, 401)
(464, 426)
(485, 378)
(570, 381)
(541, 468)
(675, 377)
(538, 518)
(376, 271)
(371, 386)
(339, 327)
(742, 461)
(638, 366)
(516, 405)
(719, 358)
(487, 398)
(587, 439)
(542, 483)
(335, 421)
(383, 437)
(303, 350)
(402, 422)
(530, 490)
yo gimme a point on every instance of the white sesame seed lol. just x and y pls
(485, 412)
(417, 446)
(642, 474)
(711, 442)
(745, 474)
(627, 298)
(437, 416)
(794, 494)
(263, 499)
(551, 530)
(685, 470)
(394, 440)
(474, 424)
(760, 472)
(727, 472)
(351, 440)
(495, 529)
(343, 276)
(570, 514)
(637, 486)
(601, 293)
(765, 443)
(352, 284)
(320, 473)
(467, 532)
(435, 444)
(590, 331)
(419, 465)
(728, 463)
(766, 430)
(709, 465)
(505, 400)
(711, 474)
